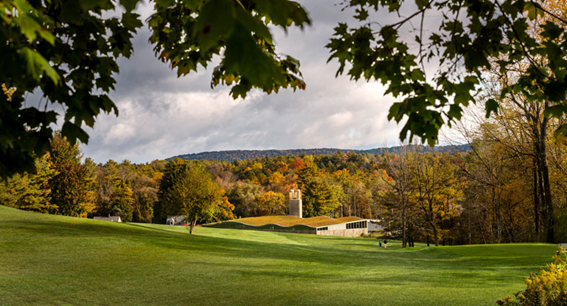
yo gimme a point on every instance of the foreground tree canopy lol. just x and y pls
(66, 52)
(471, 37)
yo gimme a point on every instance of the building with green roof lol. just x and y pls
(294, 223)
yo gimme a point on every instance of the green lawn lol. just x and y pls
(55, 260)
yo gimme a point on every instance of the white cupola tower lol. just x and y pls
(295, 204)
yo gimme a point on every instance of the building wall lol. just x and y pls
(349, 229)
(355, 232)
(375, 225)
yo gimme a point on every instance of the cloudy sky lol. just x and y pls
(162, 116)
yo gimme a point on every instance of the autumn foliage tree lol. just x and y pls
(271, 203)
(72, 188)
(30, 191)
(398, 178)
(188, 189)
(436, 193)
(122, 200)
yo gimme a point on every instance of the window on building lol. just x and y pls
(354, 225)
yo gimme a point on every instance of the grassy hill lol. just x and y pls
(55, 260)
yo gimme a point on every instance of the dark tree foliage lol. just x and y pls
(471, 37)
(190, 33)
(66, 52)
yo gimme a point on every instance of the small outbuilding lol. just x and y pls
(175, 220)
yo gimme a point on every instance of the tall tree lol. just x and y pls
(189, 190)
(122, 200)
(399, 177)
(72, 189)
(145, 196)
(435, 191)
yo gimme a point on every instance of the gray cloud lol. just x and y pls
(162, 115)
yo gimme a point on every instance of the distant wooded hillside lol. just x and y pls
(232, 155)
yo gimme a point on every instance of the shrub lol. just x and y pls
(549, 288)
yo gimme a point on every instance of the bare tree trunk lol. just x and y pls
(470, 229)
(536, 199)
(404, 241)
(499, 217)
(545, 187)
(493, 214)
(548, 201)
(192, 226)
(435, 235)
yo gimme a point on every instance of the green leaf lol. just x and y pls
(74, 132)
(129, 5)
(557, 111)
(560, 131)
(28, 26)
(533, 10)
(253, 24)
(551, 30)
(215, 22)
(455, 112)
(283, 12)
(244, 57)
(491, 106)
(361, 14)
(131, 21)
(36, 65)
(421, 3)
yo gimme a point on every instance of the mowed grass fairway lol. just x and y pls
(55, 260)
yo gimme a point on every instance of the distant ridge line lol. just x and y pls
(232, 155)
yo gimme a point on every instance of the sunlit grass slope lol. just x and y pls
(55, 260)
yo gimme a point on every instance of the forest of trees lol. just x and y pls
(494, 193)
(232, 155)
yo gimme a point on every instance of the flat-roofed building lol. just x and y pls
(347, 226)
(295, 223)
